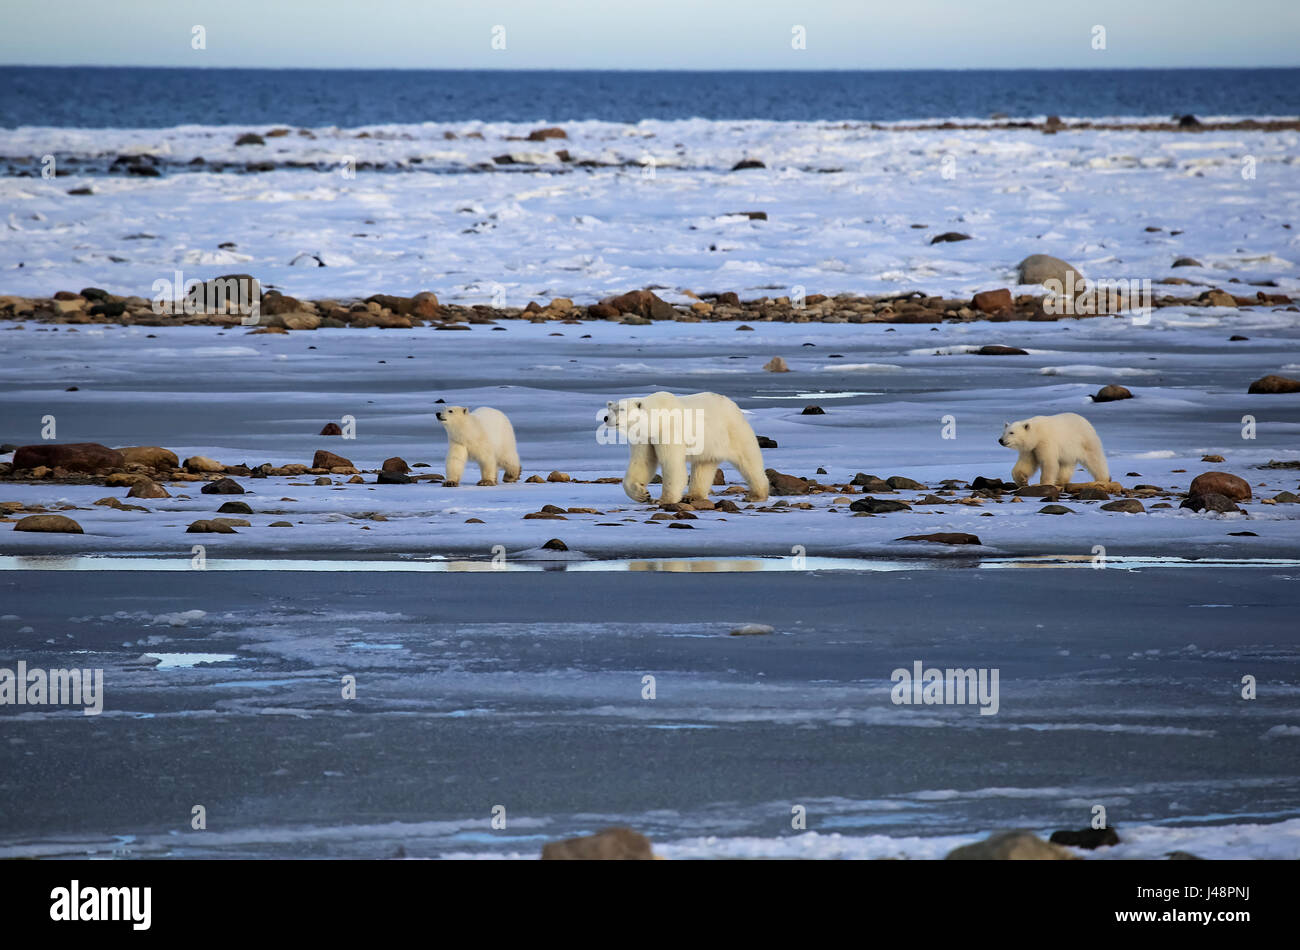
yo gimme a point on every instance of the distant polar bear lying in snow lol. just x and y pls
(484, 435)
(1056, 444)
(703, 429)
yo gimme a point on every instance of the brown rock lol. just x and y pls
(1011, 846)
(210, 526)
(642, 303)
(89, 458)
(776, 365)
(1266, 385)
(995, 349)
(611, 844)
(329, 460)
(222, 486)
(201, 463)
(1220, 483)
(331, 428)
(1211, 501)
(559, 477)
(147, 488)
(151, 456)
(1111, 394)
(992, 301)
(943, 537)
(782, 484)
(541, 135)
(48, 523)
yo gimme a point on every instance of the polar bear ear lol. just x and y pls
(1026, 425)
(637, 404)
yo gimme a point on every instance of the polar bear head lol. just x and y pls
(626, 416)
(454, 419)
(1017, 435)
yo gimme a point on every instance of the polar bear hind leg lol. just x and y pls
(1094, 460)
(487, 469)
(456, 456)
(512, 467)
(750, 466)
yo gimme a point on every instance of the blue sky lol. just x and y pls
(664, 34)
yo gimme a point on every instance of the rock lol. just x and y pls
(250, 138)
(991, 484)
(1188, 262)
(1089, 838)
(1189, 122)
(642, 303)
(1286, 498)
(1091, 494)
(782, 484)
(395, 464)
(765, 443)
(751, 630)
(1183, 856)
(235, 508)
(1209, 502)
(299, 321)
(1111, 393)
(995, 349)
(942, 537)
(813, 411)
(1039, 268)
(328, 460)
(1011, 846)
(202, 464)
(331, 428)
(555, 544)
(1220, 483)
(48, 523)
(1130, 505)
(425, 305)
(992, 301)
(745, 163)
(393, 478)
(559, 477)
(1274, 384)
(901, 483)
(611, 844)
(1212, 458)
(949, 237)
(1050, 492)
(1218, 298)
(222, 486)
(534, 479)
(151, 456)
(1055, 510)
(89, 458)
(210, 526)
(323, 480)
(870, 483)
(878, 506)
(776, 365)
(147, 488)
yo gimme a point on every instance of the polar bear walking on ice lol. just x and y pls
(484, 435)
(1056, 444)
(669, 432)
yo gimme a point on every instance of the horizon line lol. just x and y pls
(647, 69)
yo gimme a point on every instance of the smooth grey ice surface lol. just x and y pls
(1117, 688)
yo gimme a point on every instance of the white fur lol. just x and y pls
(670, 432)
(484, 435)
(1055, 444)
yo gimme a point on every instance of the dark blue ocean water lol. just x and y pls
(100, 97)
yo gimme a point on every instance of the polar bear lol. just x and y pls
(703, 429)
(484, 435)
(1056, 444)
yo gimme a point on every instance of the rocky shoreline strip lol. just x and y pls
(280, 313)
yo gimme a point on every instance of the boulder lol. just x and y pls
(235, 508)
(331, 428)
(1209, 502)
(782, 484)
(151, 456)
(328, 460)
(949, 237)
(1039, 268)
(203, 464)
(1273, 385)
(878, 506)
(992, 301)
(942, 537)
(776, 365)
(88, 458)
(147, 488)
(994, 349)
(212, 526)
(49, 523)
(1011, 846)
(612, 844)
(1128, 505)
(642, 303)
(1111, 393)
(222, 486)
(1220, 483)
(395, 464)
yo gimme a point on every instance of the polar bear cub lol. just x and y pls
(1056, 444)
(669, 432)
(484, 435)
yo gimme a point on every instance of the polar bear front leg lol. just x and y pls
(1065, 473)
(487, 470)
(702, 479)
(1024, 468)
(672, 459)
(456, 456)
(640, 469)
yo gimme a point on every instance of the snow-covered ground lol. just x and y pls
(849, 209)
(888, 394)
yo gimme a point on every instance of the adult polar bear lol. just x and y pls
(668, 432)
(484, 435)
(1056, 444)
